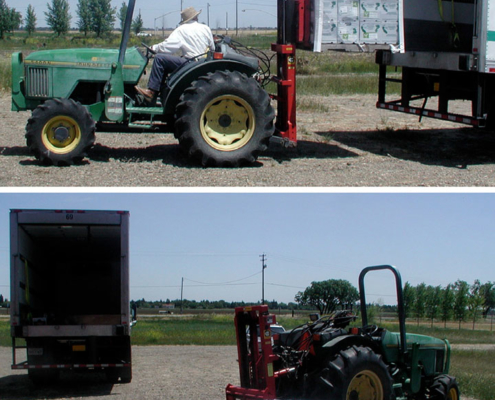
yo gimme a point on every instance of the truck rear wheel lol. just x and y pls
(60, 132)
(224, 119)
(43, 376)
(123, 373)
(444, 387)
(357, 373)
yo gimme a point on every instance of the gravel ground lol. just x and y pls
(159, 372)
(349, 143)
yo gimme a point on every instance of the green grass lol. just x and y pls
(475, 373)
(334, 62)
(325, 85)
(321, 74)
(263, 42)
(5, 73)
(454, 336)
(5, 339)
(202, 330)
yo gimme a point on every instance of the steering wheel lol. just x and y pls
(370, 329)
(218, 38)
(149, 50)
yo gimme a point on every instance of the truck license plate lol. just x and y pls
(35, 351)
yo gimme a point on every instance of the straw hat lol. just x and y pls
(188, 14)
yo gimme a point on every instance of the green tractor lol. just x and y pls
(326, 359)
(215, 105)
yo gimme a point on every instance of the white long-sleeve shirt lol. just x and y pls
(191, 38)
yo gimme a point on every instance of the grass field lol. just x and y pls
(320, 74)
(474, 369)
(475, 373)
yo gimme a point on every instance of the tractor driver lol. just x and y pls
(190, 37)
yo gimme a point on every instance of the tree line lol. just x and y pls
(459, 301)
(96, 16)
(216, 304)
(3, 301)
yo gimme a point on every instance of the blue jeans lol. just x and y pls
(163, 65)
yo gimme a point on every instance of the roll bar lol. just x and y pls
(126, 31)
(400, 301)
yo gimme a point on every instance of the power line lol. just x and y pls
(287, 286)
(221, 283)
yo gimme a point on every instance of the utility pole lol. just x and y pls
(208, 14)
(263, 266)
(181, 294)
(236, 18)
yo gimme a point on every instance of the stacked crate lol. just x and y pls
(360, 21)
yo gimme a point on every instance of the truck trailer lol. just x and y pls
(70, 292)
(446, 52)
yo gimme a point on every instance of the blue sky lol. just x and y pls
(258, 13)
(217, 239)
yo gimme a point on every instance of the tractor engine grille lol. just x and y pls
(37, 79)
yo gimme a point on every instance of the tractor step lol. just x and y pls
(145, 110)
(151, 111)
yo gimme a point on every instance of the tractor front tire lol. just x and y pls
(356, 373)
(444, 387)
(60, 132)
(224, 119)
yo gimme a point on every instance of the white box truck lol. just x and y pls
(446, 51)
(70, 292)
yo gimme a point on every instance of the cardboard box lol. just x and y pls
(330, 10)
(389, 32)
(370, 9)
(389, 10)
(348, 30)
(348, 9)
(329, 32)
(369, 30)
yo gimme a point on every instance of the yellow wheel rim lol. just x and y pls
(61, 134)
(452, 395)
(365, 386)
(227, 123)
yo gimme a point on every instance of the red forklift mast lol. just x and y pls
(293, 30)
(254, 347)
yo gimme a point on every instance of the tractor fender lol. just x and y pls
(343, 342)
(183, 80)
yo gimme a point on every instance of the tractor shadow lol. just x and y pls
(70, 385)
(307, 149)
(453, 148)
(169, 154)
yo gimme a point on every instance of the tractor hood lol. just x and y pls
(392, 339)
(85, 58)
(57, 73)
(432, 353)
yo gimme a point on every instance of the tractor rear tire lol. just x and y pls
(224, 119)
(357, 373)
(444, 387)
(60, 132)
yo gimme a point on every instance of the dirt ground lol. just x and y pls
(350, 143)
(159, 372)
